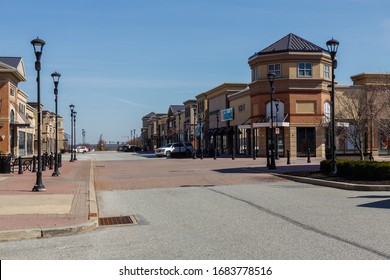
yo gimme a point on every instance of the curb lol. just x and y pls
(332, 184)
(91, 225)
(93, 209)
(41, 233)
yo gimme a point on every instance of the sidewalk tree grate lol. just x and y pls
(121, 220)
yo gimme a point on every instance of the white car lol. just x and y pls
(174, 149)
(82, 149)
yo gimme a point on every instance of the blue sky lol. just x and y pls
(122, 59)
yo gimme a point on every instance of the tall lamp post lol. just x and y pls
(218, 134)
(38, 47)
(71, 131)
(56, 79)
(200, 121)
(74, 135)
(195, 137)
(277, 128)
(271, 78)
(332, 49)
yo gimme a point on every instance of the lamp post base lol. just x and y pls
(39, 187)
(56, 174)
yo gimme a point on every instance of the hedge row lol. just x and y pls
(359, 169)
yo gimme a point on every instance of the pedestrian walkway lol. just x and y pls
(67, 206)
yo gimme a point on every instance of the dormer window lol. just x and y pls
(275, 69)
(304, 69)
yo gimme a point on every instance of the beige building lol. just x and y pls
(301, 98)
(17, 118)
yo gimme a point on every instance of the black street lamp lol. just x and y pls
(332, 49)
(56, 79)
(179, 138)
(38, 47)
(200, 121)
(216, 152)
(74, 135)
(71, 131)
(271, 78)
(276, 134)
(194, 107)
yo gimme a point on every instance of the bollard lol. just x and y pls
(215, 154)
(34, 167)
(288, 157)
(268, 159)
(43, 162)
(308, 156)
(20, 165)
(51, 162)
(59, 160)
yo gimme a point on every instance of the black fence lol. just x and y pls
(10, 164)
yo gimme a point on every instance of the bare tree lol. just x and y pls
(365, 108)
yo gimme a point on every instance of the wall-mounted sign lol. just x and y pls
(227, 114)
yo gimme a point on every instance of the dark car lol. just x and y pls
(131, 148)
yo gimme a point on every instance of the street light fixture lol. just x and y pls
(38, 47)
(56, 79)
(71, 131)
(271, 78)
(332, 49)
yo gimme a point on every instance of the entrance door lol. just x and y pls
(306, 138)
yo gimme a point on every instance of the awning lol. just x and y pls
(23, 122)
(264, 124)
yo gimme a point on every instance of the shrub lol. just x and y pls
(359, 169)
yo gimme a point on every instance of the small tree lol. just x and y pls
(101, 145)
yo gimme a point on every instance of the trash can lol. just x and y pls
(5, 164)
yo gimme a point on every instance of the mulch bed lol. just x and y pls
(319, 175)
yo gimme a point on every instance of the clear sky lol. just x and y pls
(121, 59)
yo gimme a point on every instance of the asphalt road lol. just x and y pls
(263, 220)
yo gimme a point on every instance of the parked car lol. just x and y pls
(82, 149)
(174, 150)
(131, 148)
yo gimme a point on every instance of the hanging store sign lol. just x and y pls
(227, 114)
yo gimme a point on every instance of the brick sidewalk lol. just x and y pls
(169, 173)
(73, 183)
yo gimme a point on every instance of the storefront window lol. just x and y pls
(22, 143)
(29, 144)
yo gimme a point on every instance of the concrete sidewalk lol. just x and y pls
(68, 205)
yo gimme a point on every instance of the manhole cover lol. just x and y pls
(121, 220)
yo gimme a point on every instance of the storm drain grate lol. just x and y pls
(121, 220)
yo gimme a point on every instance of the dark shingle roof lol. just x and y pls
(176, 108)
(289, 43)
(11, 61)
